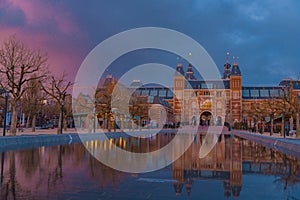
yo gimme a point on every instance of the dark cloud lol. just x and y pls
(264, 34)
(11, 16)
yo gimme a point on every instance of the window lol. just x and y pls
(246, 93)
(153, 92)
(162, 93)
(254, 93)
(145, 92)
(235, 83)
(150, 99)
(274, 93)
(236, 95)
(219, 94)
(178, 83)
(219, 105)
(137, 92)
(207, 85)
(170, 93)
(179, 95)
(206, 93)
(264, 93)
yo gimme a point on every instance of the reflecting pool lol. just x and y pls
(234, 169)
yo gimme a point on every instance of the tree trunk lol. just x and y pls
(33, 123)
(59, 124)
(272, 125)
(12, 174)
(297, 125)
(28, 122)
(282, 126)
(256, 126)
(65, 123)
(13, 129)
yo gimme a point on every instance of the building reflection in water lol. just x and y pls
(43, 172)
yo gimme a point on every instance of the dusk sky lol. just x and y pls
(265, 35)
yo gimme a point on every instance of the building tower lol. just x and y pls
(235, 94)
(179, 81)
(236, 167)
(190, 73)
(227, 70)
(179, 69)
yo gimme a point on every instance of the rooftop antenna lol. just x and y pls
(227, 55)
(179, 59)
(235, 59)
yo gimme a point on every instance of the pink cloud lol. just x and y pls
(62, 41)
(40, 12)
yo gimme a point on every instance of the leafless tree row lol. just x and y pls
(25, 74)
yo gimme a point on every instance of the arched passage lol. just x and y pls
(206, 118)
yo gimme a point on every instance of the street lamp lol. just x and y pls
(284, 109)
(5, 109)
(94, 120)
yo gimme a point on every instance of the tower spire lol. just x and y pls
(227, 66)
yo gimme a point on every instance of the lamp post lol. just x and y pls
(94, 120)
(284, 110)
(5, 109)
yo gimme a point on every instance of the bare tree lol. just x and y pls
(273, 109)
(291, 103)
(18, 64)
(32, 101)
(57, 88)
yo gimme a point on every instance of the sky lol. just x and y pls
(265, 35)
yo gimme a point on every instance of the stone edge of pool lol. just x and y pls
(25, 141)
(8, 143)
(288, 146)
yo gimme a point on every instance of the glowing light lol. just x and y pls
(124, 144)
(120, 141)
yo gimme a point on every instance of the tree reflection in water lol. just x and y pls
(49, 172)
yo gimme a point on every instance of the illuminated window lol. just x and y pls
(178, 83)
(235, 95)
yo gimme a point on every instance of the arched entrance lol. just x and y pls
(206, 118)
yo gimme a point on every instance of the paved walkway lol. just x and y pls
(290, 139)
(289, 145)
(28, 131)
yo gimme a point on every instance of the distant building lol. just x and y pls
(223, 101)
(203, 102)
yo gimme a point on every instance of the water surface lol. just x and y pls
(234, 169)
